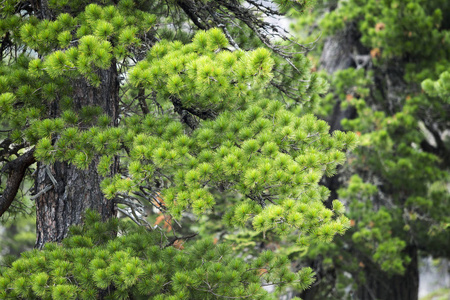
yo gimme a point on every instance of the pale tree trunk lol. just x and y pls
(336, 55)
(340, 52)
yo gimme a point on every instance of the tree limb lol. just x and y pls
(174, 239)
(188, 114)
(16, 169)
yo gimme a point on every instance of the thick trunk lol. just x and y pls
(64, 205)
(381, 286)
(340, 52)
(71, 191)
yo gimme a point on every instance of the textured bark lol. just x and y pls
(65, 204)
(341, 52)
(16, 171)
(106, 95)
(338, 55)
(75, 190)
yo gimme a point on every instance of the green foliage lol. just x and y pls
(201, 77)
(395, 26)
(440, 87)
(17, 234)
(273, 157)
(395, 196)
(208, 127)
(98, 29)
(141, 264)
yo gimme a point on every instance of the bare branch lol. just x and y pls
(43, 191)
(16, 169)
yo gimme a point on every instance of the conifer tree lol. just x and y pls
(388, 66)
(130, 105)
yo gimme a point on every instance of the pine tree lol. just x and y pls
(132, 106)
(388, 66)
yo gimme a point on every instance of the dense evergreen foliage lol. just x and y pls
(139, 107)
(134, 265)
(388, 66)
(204, 127)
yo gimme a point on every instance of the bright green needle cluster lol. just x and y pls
(96, 31)
(200, 127)
(202, 74)
(270, 157)
(439, 88)
(90, 261)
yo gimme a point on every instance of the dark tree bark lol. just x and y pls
(16, 171)
(64, 192)
(379, 285)
(71, 191)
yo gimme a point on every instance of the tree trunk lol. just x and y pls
(72, 191)
(380, 285)
(341, 52)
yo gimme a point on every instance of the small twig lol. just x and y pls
(46, 189)
(49, 173)
(187, 237)
(128, 215)
(229, 37)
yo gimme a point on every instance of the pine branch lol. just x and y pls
(135, 220)
(8, 150)
(187, 7)
(142, 103)
(16, 169)
(188, 114)
(222, 296)
(174, 239)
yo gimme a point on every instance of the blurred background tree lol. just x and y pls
(388, 64)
